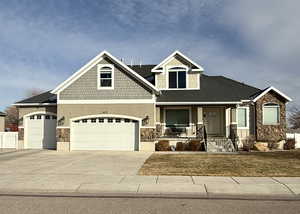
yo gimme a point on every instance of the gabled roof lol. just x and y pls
(92, 63)
(2, 114)
(213, 89)
(265, 91)
(198, 67)
(45, 98)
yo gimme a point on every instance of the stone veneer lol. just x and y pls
(200, 131)
(267, 133)
(21, 134)
(62, 135)
(63, 139)
(148, 134)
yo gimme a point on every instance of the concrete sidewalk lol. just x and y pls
(200, 186)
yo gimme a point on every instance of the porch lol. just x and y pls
(213, 125)
(190, 122)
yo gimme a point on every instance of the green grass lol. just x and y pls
(280, 163)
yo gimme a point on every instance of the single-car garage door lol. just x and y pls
(40, 131)
(100, 133)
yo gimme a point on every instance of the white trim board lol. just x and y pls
(92, 63)
(195, 103)
(274, 89)
(116, 101)
(200, 68)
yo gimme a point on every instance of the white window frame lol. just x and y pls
(178, 108)
(247, 117)
(263, 114)
(99, 70)
(183, 68)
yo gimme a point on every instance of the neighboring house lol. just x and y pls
(108, 105)
(2, 121)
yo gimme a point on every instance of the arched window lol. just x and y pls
(177, 77)
(105, 76)
(271, 114)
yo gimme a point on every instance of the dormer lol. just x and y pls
(177, 72)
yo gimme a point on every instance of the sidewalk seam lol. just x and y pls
(235, 180)
(122, 179)
(138, 189)
(193, 180)
(206, 189)
(284, 185)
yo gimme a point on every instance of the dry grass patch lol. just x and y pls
(285, 163)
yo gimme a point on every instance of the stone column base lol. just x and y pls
(63, 146)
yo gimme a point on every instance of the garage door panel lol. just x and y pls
(104, 135)
(40, 133)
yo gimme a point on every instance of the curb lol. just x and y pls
(143, 195)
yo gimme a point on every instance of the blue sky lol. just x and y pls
(42, 42)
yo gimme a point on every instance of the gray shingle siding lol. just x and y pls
(125, 87)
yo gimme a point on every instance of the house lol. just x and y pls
(108, 105)
(2, 121)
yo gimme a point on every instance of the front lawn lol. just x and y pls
(285, 163)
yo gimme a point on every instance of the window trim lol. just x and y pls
(184, 68)
(178, 108)
(247, 117)
(263, 113)
(99, 67)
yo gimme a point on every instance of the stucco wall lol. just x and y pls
(2, 123)
(125, 87)
(270, 132)
(30, 109)
(69, 111)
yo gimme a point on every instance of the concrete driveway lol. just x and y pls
(47, 162)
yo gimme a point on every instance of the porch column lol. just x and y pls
(158, 125)
(233, 125)
(157, 109)
(200, 125)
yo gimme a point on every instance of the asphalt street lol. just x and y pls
(74, 205)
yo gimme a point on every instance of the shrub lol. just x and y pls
(180, 146)
(248, 143)
(162, 145)
(290, 144)
(194, 145)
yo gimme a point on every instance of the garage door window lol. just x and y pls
(110, 120)
(31, 117)
(101, 120)
(118, 120)
(84, 121)
(39, 117)
(47, 117)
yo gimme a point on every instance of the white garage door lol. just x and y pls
(40, 131)
(104, 134)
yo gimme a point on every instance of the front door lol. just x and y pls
(213, 119)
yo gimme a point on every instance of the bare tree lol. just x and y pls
(12, 114)
(294, 117)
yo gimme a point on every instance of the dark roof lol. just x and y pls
(2, 114)
(212, 89)
(143, 70)
(45, 97)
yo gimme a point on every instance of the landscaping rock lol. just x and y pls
(262, 147)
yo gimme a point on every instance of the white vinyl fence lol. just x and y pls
(295, 136)
(8, 140)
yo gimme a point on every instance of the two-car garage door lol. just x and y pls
(104, 133)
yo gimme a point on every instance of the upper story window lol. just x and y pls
(271, 114)
(105, 76)
(177, 77)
